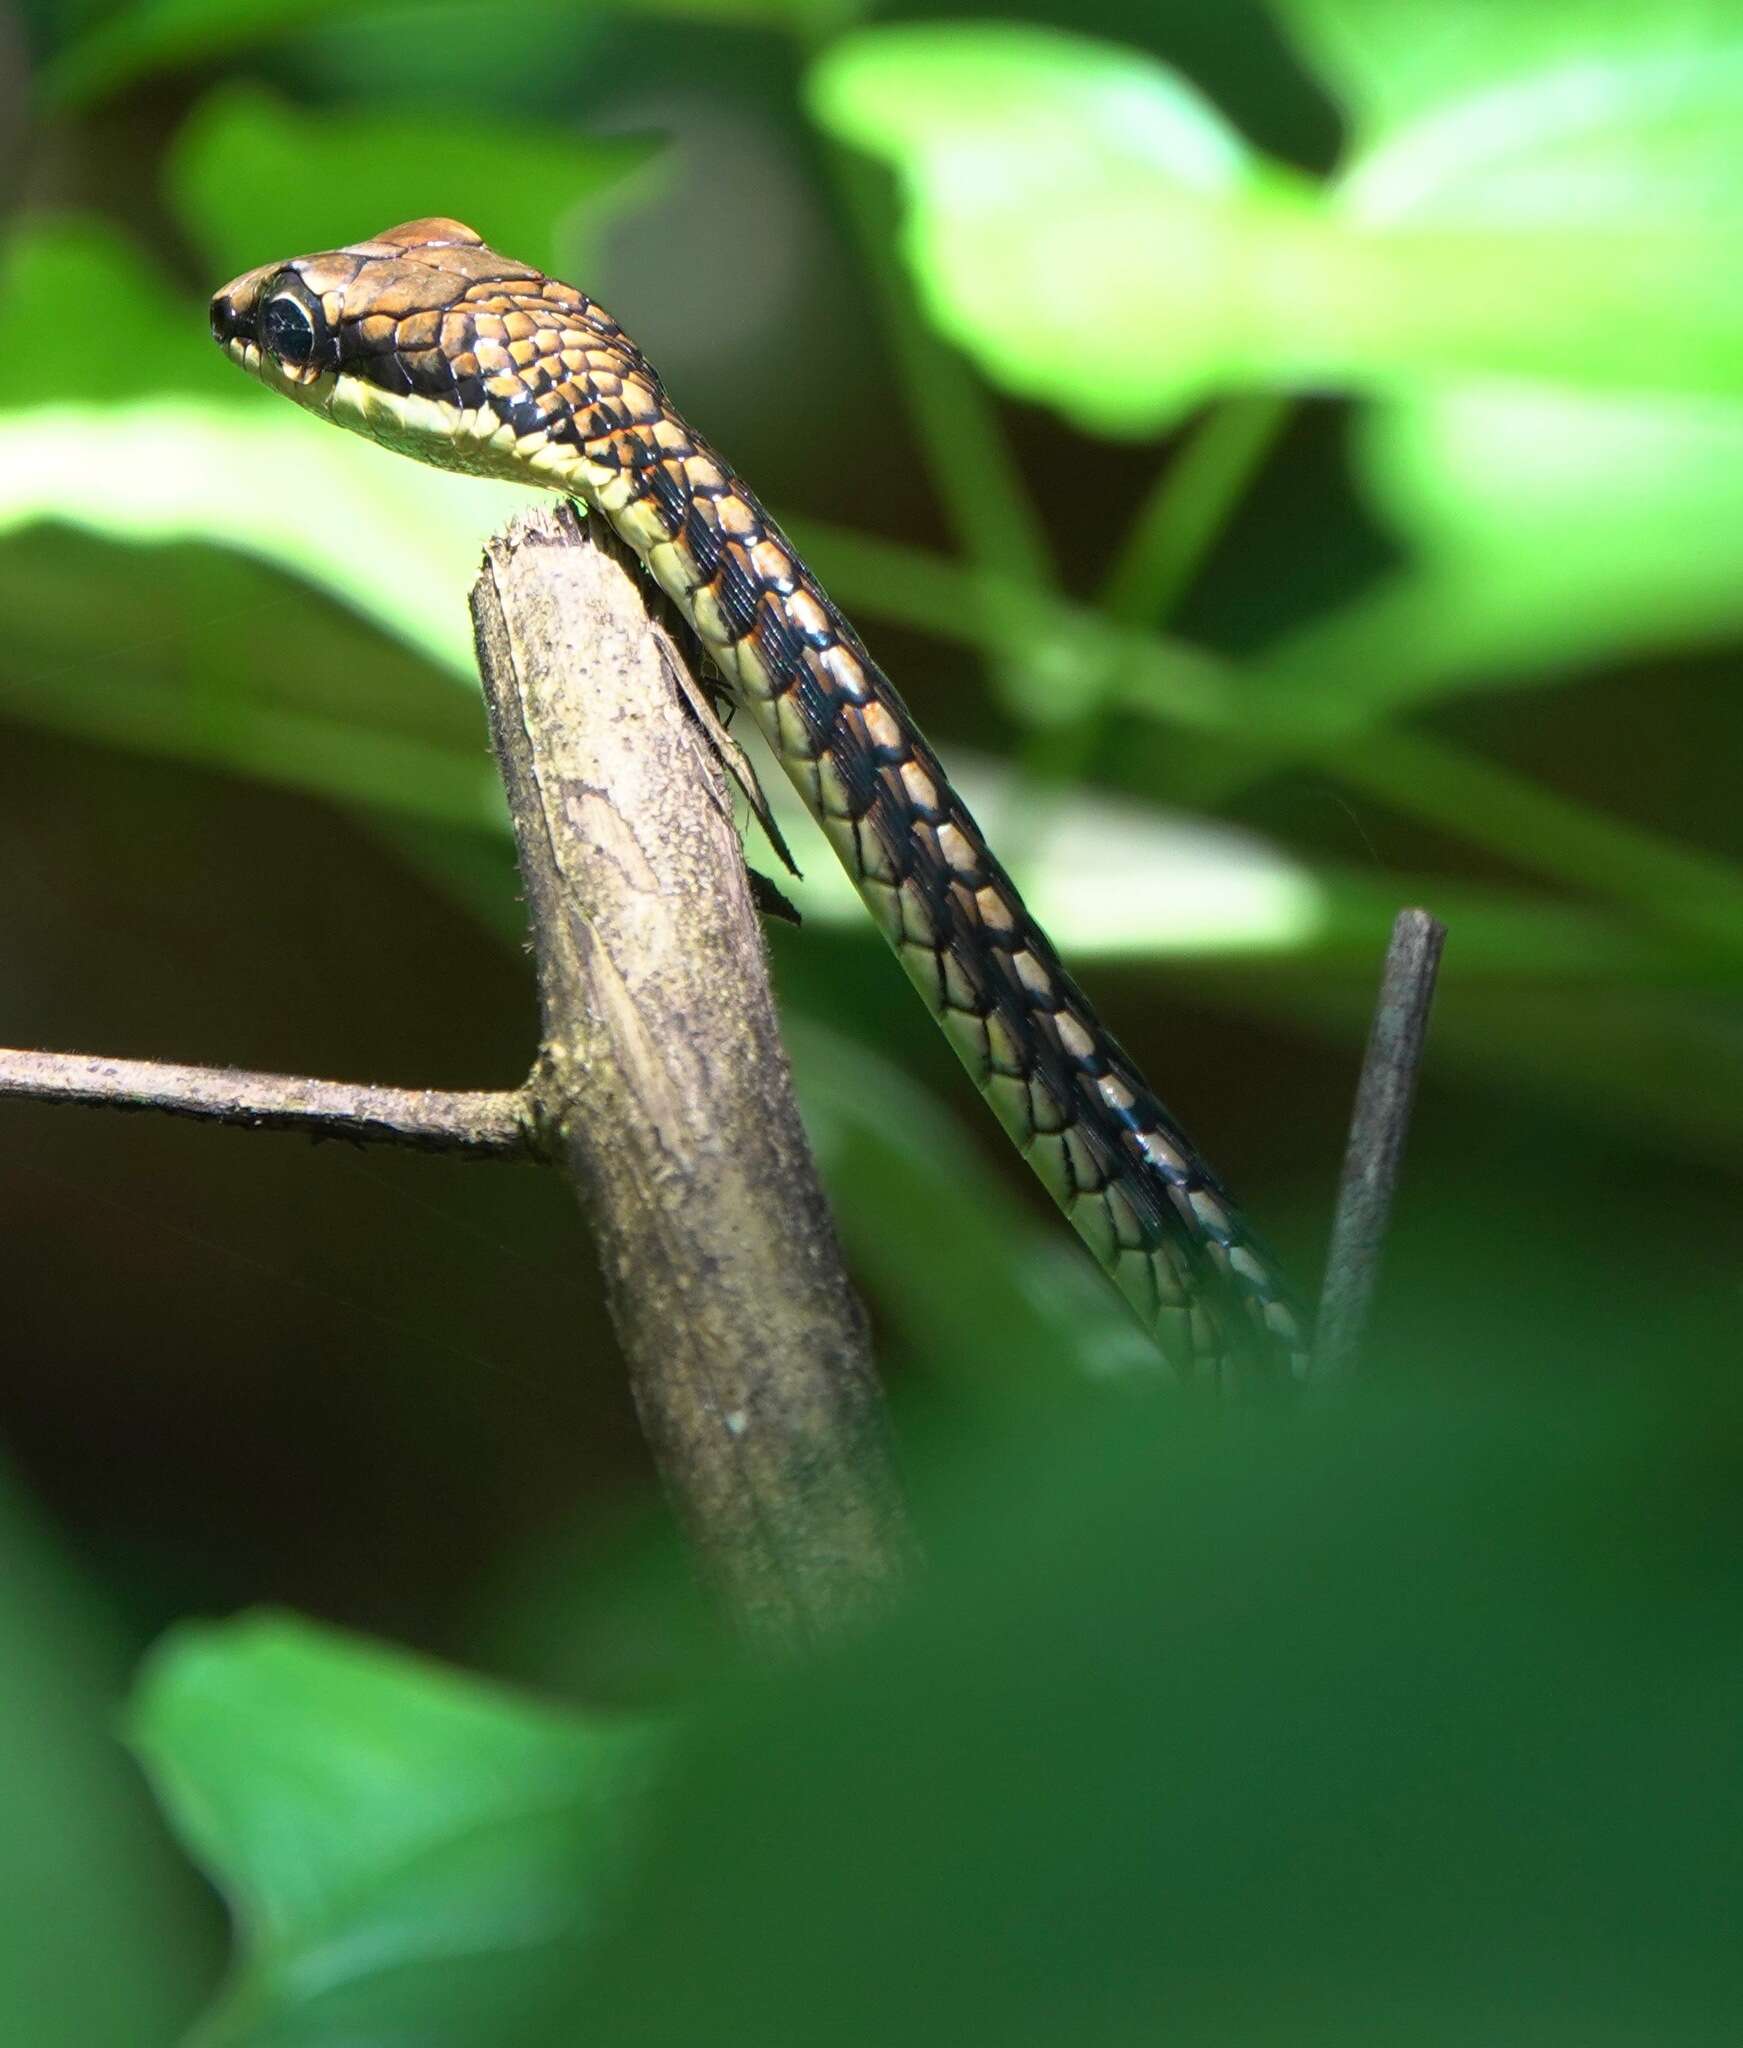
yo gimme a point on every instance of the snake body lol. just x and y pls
(428, 341)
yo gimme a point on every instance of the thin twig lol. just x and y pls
(485, 1124)
(1378, 1128)
(667, 1096)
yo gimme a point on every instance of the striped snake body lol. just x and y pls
(429, 342)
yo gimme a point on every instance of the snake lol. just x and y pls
(427, 341)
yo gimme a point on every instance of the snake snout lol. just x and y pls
(235, 308)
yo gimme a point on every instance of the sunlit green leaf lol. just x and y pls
(1527, 258)
(399, 543)
(1559, 203)
(1551, 527)
(1557, 522)
(405, 1851)
(1079, 217)
(1446, 98)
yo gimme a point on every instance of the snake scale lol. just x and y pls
(429, 342)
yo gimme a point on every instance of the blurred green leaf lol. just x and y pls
(138, 37)
(132, 41)
(206, 657)
(1528, 258)
(1080, 219)
(1562, 202)
(1553, 527)
(1412, 1724)
(1558, 523)
(257, 178)
(399, 544)
(102, 1939)
(1596, 105)
(405, 1850)
(57, 264)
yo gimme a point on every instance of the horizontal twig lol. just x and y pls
(492, 1124)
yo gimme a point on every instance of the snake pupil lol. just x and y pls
(286, 329)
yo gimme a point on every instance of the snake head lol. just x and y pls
(427, 341)
(303, 324)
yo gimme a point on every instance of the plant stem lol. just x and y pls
(1378, 1129)
(1189, 508)
(985, 498)
(485, 1124)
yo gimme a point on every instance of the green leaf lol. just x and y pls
(410, 1855)
(1552, 527)
(47, 267)
(1543, 192)
(1558, 522)
(1445, 97)
(104, 1943)
(399, 543)
(1079, 219)
(1528, 258)
(134, 41)
(257, 178)
(1414, 1724)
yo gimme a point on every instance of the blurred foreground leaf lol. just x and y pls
(102, 1943)
(405, 1851)
(1413, 1723)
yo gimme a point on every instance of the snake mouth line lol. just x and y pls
(442, 434)
(309, 384)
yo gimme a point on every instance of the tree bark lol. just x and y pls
(664, 1089)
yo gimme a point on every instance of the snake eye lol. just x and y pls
(287, 329)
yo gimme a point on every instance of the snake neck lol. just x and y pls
(1129, 1178)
